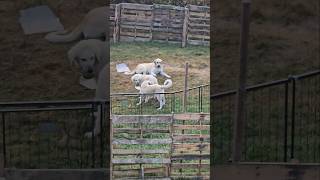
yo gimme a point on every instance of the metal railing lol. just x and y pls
(37, 135)
(197, 101)
(282, 121)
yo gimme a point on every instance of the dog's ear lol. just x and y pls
(72, 55)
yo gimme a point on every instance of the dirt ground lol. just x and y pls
(30, 67)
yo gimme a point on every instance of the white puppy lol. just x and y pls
(155, 68)
(147, 87)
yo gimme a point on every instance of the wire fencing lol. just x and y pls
(282, 121)
(197, 100)
(48, 135)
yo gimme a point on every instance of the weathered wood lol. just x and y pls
(176, 157)
(190, 177)
(190, 165)
(170, 7)
(137, 131)
(191, 116)
(146, 178)
(135, 34)
(136, 172)
(116, 30)
(199, 8)
(185, 27)
(185, 147)
(139, 151)
(124, 26)
(131, 39)
(191, 127)
(142, 141)
(145, 119)
(197, 42)
(136, 6)
(142, 161)
(190, 137)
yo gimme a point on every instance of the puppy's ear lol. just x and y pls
(72, 56)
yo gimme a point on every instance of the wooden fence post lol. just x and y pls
(185, 27)
(239, 120)
(185, 93)
(116, 30)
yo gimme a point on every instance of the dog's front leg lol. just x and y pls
(164, 74)
(140, 100)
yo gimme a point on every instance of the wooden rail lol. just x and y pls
(161, 23)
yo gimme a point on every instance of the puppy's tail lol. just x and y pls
(167, 84)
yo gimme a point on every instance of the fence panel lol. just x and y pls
(136, 22)
(282, 121)
(161, 23)
(307, 119)
(141, 146)
(198, 25)
(51, 136)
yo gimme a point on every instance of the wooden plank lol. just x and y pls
(191, 127)
(142, 161)
(196, 36)
(199, 8)
(146, 178)
(139, 151)
(136, 172)
(141, 141)
(185, 147)
(137, 131)
(190, 137)
(127, 19)
(135, 6)
(146, 119)
(189, 157)
(190, 165)
(191, 116)
(131, 39)
(123, 26)
(147, 24)
(134, 11)
(197, 42)
(116, 29)
(199, 14)
(167, 30)
(190, 177)
(195, 25)
(167, 7)
(135, 34)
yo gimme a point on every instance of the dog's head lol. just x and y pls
(136, 79)
(157, 62)
(87, 58)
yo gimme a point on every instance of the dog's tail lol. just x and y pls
(64, 36)
(167, 84)
(129, 72)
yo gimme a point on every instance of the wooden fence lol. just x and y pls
(162, 147)
(161, 23)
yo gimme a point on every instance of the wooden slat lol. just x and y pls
(176, 157)
(145, 119)
(135, 172)
(130, 39)
(199, 8)
(190, 116)
(190, 137)
(197, 42)
(141, 141)
(162, 6)
(191, 177)
(146, 178)
(148, 28)
(137, 131)
(188, 147)
(190, 165)
(147, 24)
(142, 161)
(198, 36)
(191, 127)
(135, 34)
(138, 151)
(136, 6)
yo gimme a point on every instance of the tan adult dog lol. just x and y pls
(93, 26)
(147, 88)
(138, 79)
(90, 56)
(155, 68)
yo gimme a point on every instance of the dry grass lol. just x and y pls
(174, 58)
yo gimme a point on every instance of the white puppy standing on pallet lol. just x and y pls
(147, 87)
(155, 68)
